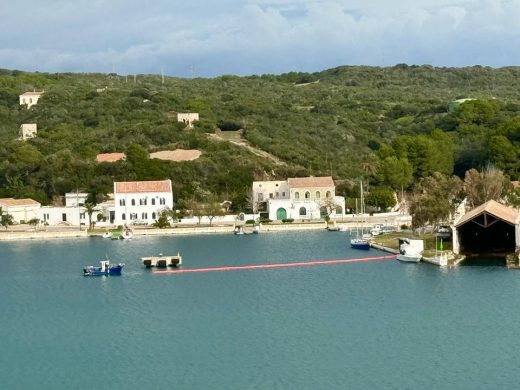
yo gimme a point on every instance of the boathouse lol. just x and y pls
(490, 228)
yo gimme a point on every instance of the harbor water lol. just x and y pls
(378, 324)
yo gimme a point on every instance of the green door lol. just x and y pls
(281, 214)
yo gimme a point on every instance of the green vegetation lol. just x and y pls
(392, 126)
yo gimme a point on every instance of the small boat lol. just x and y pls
(360, 243)
(410, 251)
(362, 239)
(105, 269)
(239, 230)
(126, 235)
(107, 235)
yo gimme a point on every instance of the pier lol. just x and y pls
(162, 261)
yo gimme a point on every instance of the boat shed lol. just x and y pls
(490, 228)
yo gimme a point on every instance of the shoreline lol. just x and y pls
(195, 230)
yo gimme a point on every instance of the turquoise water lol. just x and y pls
(373, 325)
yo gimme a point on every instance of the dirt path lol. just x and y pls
(245, 144)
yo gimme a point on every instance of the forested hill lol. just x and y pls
(392, 124)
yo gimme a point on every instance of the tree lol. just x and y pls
(435, 199)
(485, 185)
(251, 203)
(6, 219)
(329, 204)
(381, 198)
(34, 222)
(213, 209)
(90, 208)
(195, 208)
(397, 172)
(162, 222)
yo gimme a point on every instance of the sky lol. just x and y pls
(205, 38)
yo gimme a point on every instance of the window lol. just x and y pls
(153, 201)
(142, 202)
(260, 197)
(81, 215)
(283, 194)
(277, 194)
(297, 196)
(271, 195)
(303, 211)
(64, 217)
(328, 194)
(162, 201)
(133, 216)
(133, 202)
(123, 217)
(307, 195)
(121, 202)
(318, 195)
(144, 216)
(153, 215)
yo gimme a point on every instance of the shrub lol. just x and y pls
(265, 220)
(288, 220)
(404, 227)
(250, 222)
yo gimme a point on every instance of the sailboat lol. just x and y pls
(361, 241)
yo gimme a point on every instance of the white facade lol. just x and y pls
(22, 210)
(28, 131)
(188, 118)
(140, 202)
(73, 199)
(30, 98)
(299, 198)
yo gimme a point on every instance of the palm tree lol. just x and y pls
(90, 208)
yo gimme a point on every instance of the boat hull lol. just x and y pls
(409, 258)
(113, 270)
(360, 244)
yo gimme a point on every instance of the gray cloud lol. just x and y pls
(257, 36)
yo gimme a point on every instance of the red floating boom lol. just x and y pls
(276, 265)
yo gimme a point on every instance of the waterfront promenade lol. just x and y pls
(26, 232)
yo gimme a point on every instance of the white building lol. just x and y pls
(188, 118)
(301, 198)
(30, 98)
(22, 210)
(140, 202)
(28, 131)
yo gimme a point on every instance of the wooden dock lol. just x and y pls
(162, 261)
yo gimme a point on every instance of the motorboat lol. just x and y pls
(410, 251)
(104, 269)
(360, 243)
(126, 235)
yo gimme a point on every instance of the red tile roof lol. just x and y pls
(143, 186)
(110, 157)
(500, 211)
(305, 182)
(18, 202)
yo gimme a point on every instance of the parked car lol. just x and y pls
(444, 232)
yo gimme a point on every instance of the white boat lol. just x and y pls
(362, 239)
(410, 251)
(127, 234)
(107, 235)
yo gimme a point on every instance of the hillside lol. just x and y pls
(347, 120)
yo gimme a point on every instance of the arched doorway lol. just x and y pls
(281, 213)
(323, 212)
